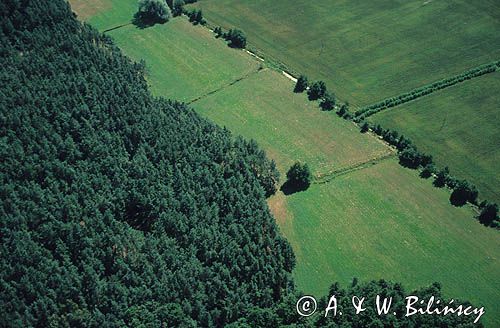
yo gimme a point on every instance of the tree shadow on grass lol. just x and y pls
(289, 188)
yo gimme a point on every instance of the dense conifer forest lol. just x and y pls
(120, 209)
(117, 207)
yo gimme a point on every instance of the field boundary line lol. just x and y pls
(116, 27)
(427, 89)
(325, 178)
(225, 86)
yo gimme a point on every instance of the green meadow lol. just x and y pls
(367, 50)
(459, 127)
(378, 221)
(290, 128)
(386, 222)
(183, 61)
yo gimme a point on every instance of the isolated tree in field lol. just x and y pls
(317, 90)
(301, 84)
(489, 213)
(153, 11)
(299, 176)
(236, 38)
(328, 101)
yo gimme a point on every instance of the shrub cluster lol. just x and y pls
(235, 37)
(177, 7)
(427, 89)
(196, 17)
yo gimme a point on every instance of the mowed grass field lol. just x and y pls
(367, 50)
(183, 61)
(459, 126)
(288, 126)
(386, 222)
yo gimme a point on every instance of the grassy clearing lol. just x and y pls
(459, 127)
(89, 8)
(367, 50)
(385, 222)
(287, 125)
(183, 61)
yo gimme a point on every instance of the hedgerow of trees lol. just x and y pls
(462, 191)
(427, 89)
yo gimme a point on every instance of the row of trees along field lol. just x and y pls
(158, 11)
(118, 209)
(462, 190)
